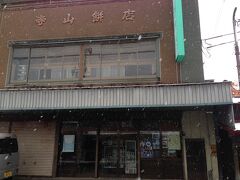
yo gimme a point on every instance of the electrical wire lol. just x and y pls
(220, 44)
(223, 35)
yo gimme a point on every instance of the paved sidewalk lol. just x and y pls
(77, 178)
(70, 178)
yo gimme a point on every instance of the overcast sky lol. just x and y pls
(216, 19)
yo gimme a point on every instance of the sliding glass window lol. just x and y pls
(121, 60)
(101, 60)
(45, 64)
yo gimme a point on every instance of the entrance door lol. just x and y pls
(196, 159)
(86, 154)
(118, 155)
(150, 154)
(108, 156)
(77, 154)
(128, 155)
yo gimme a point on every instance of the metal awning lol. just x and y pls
(181, 95)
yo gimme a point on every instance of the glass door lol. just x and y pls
(118, 155)
(128, 156)
(150, 154)
(87, 154)
(67, 165)
(78, 154)
(108, 155)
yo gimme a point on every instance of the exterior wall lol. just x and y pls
(36, 147)
(196, 124)
(192, 66)
(4, 126)
(236, 162)
(150, 16)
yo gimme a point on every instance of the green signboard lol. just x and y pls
(178, 30)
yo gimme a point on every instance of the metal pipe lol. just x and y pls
(236, 45)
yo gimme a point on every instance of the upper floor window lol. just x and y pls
(45, 64)
(119, 61)
(106, 60)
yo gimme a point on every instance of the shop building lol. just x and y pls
(109, 89)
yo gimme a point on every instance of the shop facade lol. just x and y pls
(157, 140)
(105, 89)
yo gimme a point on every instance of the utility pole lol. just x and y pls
(236, 45)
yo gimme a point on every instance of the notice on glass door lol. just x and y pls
(174, 141)
(68, 143)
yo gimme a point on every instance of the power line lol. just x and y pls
(214, 37)
(220, 44)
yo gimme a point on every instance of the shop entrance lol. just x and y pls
(130, 145)
(78, 154)
(150, 154)
(117, 155)
(87, 154)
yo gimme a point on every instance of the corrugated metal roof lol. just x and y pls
(117, 97)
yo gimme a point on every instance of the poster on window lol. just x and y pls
(156, 140)
(146, 148)
(130, 157)
(68, 143)
(174, 141)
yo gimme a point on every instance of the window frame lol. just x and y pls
(119, 62)
(33, 82)
(156, 37)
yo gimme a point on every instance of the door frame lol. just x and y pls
(120, 136)
(186, 140)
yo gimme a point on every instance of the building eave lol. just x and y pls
(175, 95)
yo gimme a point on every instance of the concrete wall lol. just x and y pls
(236, 162)
(150, 16)
(192, 66)
(199, 124)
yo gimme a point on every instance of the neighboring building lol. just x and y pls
(103, 88)
(234, 134)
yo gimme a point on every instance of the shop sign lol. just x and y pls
(40, 20)
(68, 19)
(128, 15)
(178, 30)
(97, 17)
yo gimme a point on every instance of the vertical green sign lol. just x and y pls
(178, 30)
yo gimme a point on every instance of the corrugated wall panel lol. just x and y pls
(36, 147)
(153, 96)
